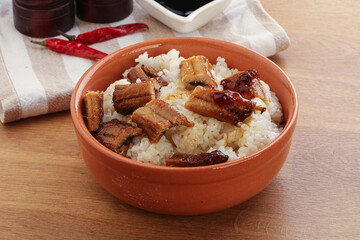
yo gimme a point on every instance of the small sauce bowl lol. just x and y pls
(195, 20)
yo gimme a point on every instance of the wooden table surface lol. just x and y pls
(46, 191)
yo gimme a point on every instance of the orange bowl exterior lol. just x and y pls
(185, 191)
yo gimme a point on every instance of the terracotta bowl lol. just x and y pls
(185, 191)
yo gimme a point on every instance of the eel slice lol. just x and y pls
(156, 117)
(247, 83)
(127, 98)
(145, 74)
(135, 73)
(117, 135)
(226, 106)
(190, 160)
(93, 102)
(151, 72)
(196, 71)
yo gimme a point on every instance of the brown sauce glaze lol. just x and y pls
(224, 98)
(226, 106)
(241, 82)
(247, 83)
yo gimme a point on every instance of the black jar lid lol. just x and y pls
(41, 4)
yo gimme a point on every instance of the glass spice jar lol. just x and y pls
(103, 11)
(43, 18)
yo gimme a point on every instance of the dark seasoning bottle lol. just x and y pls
(43, 18)
(103, 11)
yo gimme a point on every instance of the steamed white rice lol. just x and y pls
(208, 134)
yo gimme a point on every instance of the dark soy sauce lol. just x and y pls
(183, 8)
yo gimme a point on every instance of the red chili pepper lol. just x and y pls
(71, 48)
(106, 33)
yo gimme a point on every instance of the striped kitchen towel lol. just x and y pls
(36, 81)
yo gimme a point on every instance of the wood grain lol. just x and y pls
(46, 191)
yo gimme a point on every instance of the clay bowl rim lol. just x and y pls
(79, 124)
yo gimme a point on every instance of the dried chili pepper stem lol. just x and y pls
(71, 48)
(106, 33)
(42, 43)
(69, 37)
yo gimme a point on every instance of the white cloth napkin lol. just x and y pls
(36, 81)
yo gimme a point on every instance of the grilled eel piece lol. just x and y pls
(196, 71)
(156, 117)
(226, 106)
(117, 135)
(145, 74)
(127, 98)
(190, 160)
(246, 83)
(151, 72)
(93, 103)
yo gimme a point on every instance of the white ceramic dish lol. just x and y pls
(181, 24)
